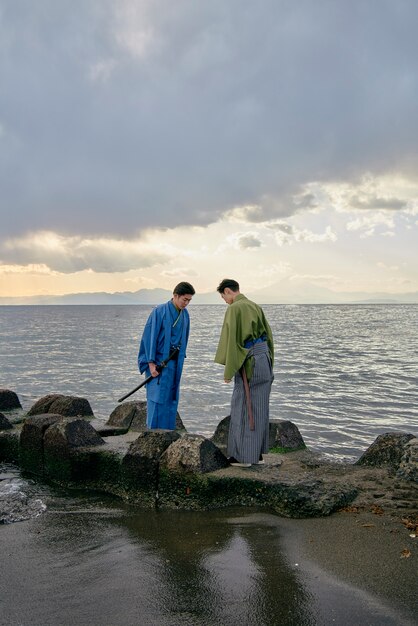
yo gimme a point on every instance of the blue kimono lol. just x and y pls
(165, 329)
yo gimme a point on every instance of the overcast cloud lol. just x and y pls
(119, 115)
(144, 142)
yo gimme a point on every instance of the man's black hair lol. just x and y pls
(228, 283)
(184, 288)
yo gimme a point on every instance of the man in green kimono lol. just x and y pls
(246, 350)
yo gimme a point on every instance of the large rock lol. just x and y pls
(133, 416)
(140, 465)
(4, 423)
(124, 415)
(31, 449)
(9, 400)
(185, 468)
(408, 467)
(43, 405)
(71, 433)
(283, 435)
(193, 454)
(220, 436)
(386, 451)
(9, 446)
(68, 406)
(60, 440)
(309, 498)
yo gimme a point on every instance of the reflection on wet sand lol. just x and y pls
(91, 561)
(222, 568)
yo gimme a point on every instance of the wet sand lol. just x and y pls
(97, 563)
(371, 558)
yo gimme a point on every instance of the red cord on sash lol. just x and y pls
(248, 397)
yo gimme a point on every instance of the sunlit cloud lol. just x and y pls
(306, 200)
(367, 224)
(288, 234)
(310, 237)
(31, 268)
(76, 254)
(282, 227)
(394, 194)
(412, 208)
(247, 213)
(376, 203)
(179, 271)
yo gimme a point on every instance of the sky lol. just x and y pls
(145, 142)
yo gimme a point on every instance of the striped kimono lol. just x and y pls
(246, 342)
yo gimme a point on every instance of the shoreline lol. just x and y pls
(345, 569)
(363, 555)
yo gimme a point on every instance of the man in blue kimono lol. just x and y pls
(167, 328)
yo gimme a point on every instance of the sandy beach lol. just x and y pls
(105, 565)
(371, 559)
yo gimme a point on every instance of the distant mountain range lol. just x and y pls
(287, 291)
(297, 291)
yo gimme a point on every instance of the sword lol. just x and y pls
(160, 367)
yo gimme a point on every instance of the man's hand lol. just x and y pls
(153, 370)
(226, 380)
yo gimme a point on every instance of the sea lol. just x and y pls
(343, 375)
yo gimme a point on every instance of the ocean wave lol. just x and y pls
(19, 500)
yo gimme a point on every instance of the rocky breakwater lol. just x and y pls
(10, 414)
(176, 469)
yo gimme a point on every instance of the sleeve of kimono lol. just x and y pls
(148, 346)
(230, 353)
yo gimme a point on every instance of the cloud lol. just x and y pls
(179, 272)
(375, 203)
(125, 115)
(248, 241)
(385, 266)
(281, 227)
(132, 27)
(101, 71)
(310, 237)
(313, 277)
(74, 254)
(287, 233)
(31, 268)
(367, 224)
(390, 193)
(252, 213)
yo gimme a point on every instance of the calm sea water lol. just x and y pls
(343, 374)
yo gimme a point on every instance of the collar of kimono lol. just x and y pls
(179, 312)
